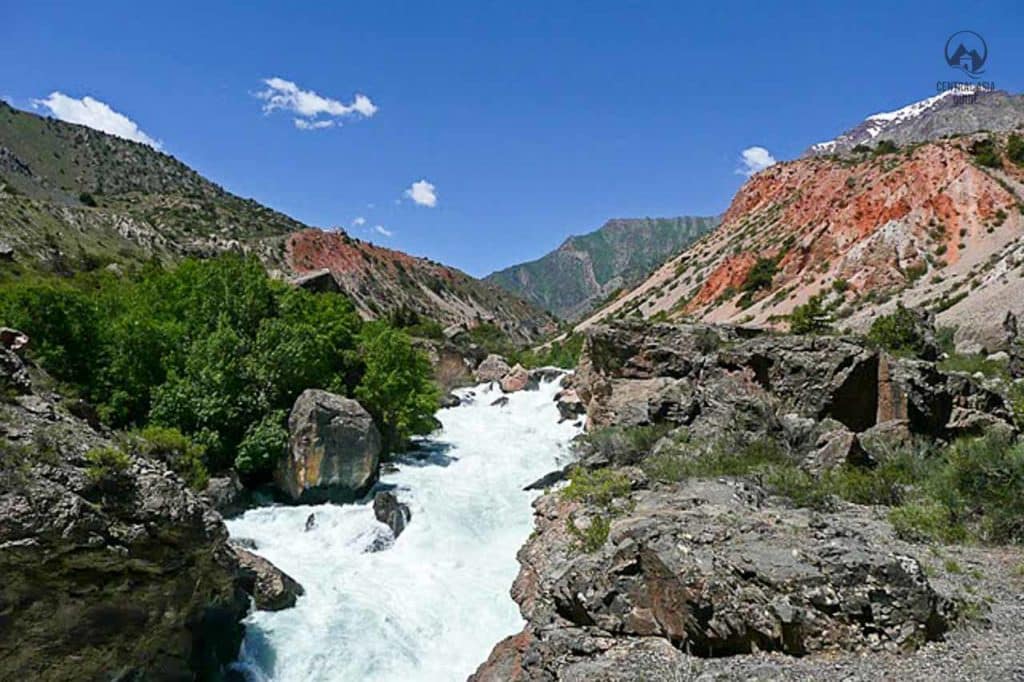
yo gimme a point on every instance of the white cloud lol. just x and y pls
(754, 160)
(422, 193)
(314, 111)
(94, 114)
(380, 229)
(359, 222)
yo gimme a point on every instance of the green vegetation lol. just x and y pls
(106, 467)
(898, 332)
(600, 489)
(885, 147)
(216, 350)
(811, 317)
(761, 275)
(986, 153)
(565, 354)
(264, 444)
(972, 489)
(1015, 149)
(184, 456)
(396, 388)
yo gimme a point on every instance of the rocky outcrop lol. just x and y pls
(317, 281)
(226, 494)
(392, 513)
(271, 588)
(1014, 347)
(493, 368)
(334, 450)
(724, 380)
(109, 567)
(710, 569)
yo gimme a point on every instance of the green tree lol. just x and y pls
(810, 318)
(396, 388)
(264, 444)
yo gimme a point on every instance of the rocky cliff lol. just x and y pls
(665, 559)
(586, 269)
(111, 568)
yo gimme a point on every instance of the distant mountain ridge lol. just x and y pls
(952, 112)
(586, 269)
(73, 198)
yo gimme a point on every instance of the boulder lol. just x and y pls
(13, 373)
(517, 379)
(450, 400)
(884, 440)
(13, 340)
(318, 281)
(1014, 346)
(543, 375)
(271, 588)
(492, 368)
(6, 252)
(569, 404)
(334, 450)
(392, 513)
(500, 402)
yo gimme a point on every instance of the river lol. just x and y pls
(431, 606)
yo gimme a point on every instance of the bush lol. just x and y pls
(597, 486)
(594, 536)
(87, 199)
(898, 333)
(984, 481)
(986, 153)
(265, 443)
(810, 318)
(761, 275)
(107, 466)
(1015, 149)
(178, 451)
(886, 147)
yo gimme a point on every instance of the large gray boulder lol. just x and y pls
(493, 368)
(334, 450)
(271, 588)
(392, 513)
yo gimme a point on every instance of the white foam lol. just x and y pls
(433, 605)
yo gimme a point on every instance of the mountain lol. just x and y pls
(952, 112)
(586, 269)
(73, 198)
(938, 225)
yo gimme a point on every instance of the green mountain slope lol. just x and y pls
(584, 270)
(73, 198)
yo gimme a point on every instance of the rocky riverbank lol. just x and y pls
(665, 558)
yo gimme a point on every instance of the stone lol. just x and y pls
(449, 400)
(271, 588)
(569, 404)
(392, 513)
(543, 375)
(334, 450)
(310, 523)
(706, 568)
(500, 402)
(517, 379)
(1014, 346)
(492, 368)
(6, 252)
(318, 281)
(13, 340)
(886, 439)
(226, 494)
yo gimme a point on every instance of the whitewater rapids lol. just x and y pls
(431, 606)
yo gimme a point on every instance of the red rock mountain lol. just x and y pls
(937, 224)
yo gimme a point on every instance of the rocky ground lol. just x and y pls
(631, 576)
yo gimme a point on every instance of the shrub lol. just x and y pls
(897, 333)
(761, 275)
(87, 199)
(986, 153)
(176, 449)
(886, 147)
(810, 318)
(107, 466)
(925, 520)
(1015, 149)
(594, 536)
(598, 486)
(987, 475)
(694, 460)
(264, 444)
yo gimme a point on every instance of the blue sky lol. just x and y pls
(531, 120)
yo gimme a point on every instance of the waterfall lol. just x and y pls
(432, 605)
